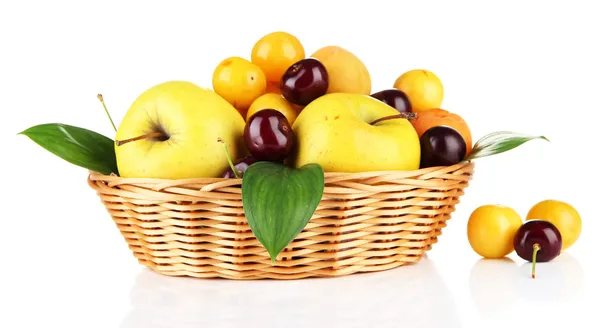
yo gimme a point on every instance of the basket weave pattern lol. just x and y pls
(365, 222)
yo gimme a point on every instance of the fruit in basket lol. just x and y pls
(442, 146)
(269, 136)
(275, 52)
(336, 131)
(423, 88)
(304, 81)
(273, 101)
(563, 215)
(425, 120)
(537, 241)
(347, 73)
(239, 81)
(491, 229)
(169, 132)
(395, 98)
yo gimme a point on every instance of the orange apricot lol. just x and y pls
(436, 117)
(347, 73)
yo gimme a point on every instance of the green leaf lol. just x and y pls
(499, 142)
(279, 201)
(75, 145)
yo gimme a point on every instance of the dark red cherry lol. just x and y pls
(304, 81)
(442, 146)
(537, 241)
(240, 167)
(394, 98)
(269, 136)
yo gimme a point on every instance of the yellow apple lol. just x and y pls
(335, 131)
(171, 131)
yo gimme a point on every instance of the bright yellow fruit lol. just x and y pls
(186, 121)
(275, 52)
(423, 88)
(273, 101)
(335, 131)
(239, 81)
(564, 216)
(491, 230)
(347, 73)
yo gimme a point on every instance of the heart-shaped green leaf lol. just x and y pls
(499, 142)
(77, 146)
(279, 201)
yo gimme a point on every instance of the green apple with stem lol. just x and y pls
(169, 132)
(346, 132)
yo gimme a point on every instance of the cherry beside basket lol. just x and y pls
(370, 221)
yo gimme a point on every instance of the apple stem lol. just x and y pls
(145, 136)
(106, 110)
(237, 174)
(408, 116)
(536, 248)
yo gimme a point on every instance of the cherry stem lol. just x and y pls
(536, 248)
(408, 116)
(145, 136)
(106, 110)
(237, 174)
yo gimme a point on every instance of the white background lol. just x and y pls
(528, 66)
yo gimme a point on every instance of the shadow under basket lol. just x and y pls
(365, 222)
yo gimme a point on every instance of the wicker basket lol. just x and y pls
(365, 222)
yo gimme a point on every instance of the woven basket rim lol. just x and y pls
(422, 173)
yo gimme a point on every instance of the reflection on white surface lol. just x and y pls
(493, 285)
(410, 296)
(497, 286)
(558, 281)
